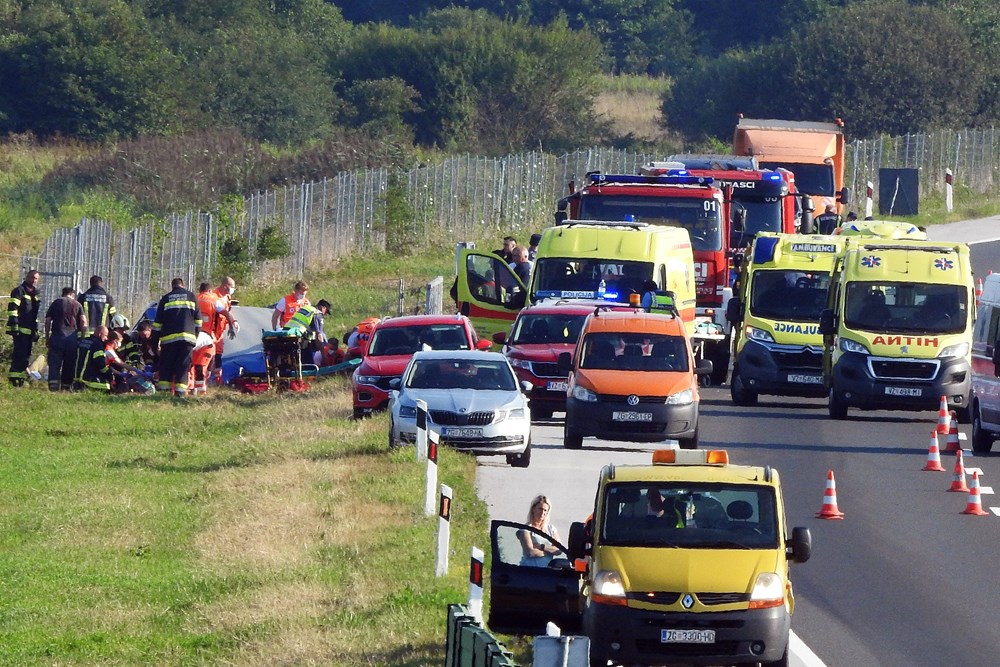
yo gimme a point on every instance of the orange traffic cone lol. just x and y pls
(958, 482)
(952, 444)
(829, 509)
(974, 505)
(944, 418)
(933, 456)
(979, 289)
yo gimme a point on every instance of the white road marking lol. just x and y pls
(995, 510)
(970, 471)
(798, 649)
(983, 490)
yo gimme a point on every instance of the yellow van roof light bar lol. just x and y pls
(691, 456)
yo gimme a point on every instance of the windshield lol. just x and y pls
(762, 214)
(634, 352)
(575, 278)
(407, 340)
(701, 217)
(483, 374)
(812, 179)
(551, 329)
(689, 515)
(796, 296)
(923, 308)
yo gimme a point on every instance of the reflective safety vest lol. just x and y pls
(207, 304)
(301, 320)
(96, 374)
(292, 306)
(662, 303)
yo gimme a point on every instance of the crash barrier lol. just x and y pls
(469, 645)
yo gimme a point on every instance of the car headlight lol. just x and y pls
(848, 345)
(609, 584)
(768, 591)
(581, 393)
(956, 350)
(516, 413)
(521, 363)
(753, 333)
(681, 398)
(408, 412)
(367, 379)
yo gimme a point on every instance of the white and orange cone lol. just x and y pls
(944, 418)
(958, 482)
(952, 444)
(974, 504)
(934, 456)
(829, 509)
(979, 290)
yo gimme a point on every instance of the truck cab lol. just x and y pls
(897, 329)
(683, 560)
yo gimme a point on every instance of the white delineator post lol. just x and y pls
(430, 487)
(444, 532)
(421, 430)
(949, 201)
(869, 204)
(476, 584)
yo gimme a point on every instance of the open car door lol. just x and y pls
(488, 292)
(526, 593)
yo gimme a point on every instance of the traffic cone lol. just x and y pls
(974, 505)
(829, 509)
(944, 418)
(933, 456)
(958, 482)
(979, 289)
(952, 444)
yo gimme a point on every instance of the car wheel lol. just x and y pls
(982, 440)
(571, 438)
(836, 405)
(360, 413)
(541, 414)
(741, 395)
(720, 368)
(521, 460)
(689, 443)
(964, 415)
(392, 442)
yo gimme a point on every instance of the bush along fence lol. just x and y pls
(294, 229)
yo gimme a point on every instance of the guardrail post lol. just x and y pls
(421, 445)
(444, 532)
(949, 203)
(476, 584)
(432, 473)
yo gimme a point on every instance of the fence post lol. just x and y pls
(444, 532)
(401, 305)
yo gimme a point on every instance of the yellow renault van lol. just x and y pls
(688, 563)
(897, 329)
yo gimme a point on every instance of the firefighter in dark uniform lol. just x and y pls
(176, 327)
(22, 325)
(829, 221)
(98, 305)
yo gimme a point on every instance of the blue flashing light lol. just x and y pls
(773, 177)
(763, 249)
(597, 178)
(629, 217)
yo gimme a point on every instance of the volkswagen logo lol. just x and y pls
(632, 399)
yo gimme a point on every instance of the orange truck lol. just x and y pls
(813, 151)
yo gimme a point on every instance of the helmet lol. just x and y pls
(119, 321)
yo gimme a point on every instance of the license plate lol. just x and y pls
(463, 432)
(632, 416)
(805, 379)
(687, 636)
(556, 386)
(903, 391)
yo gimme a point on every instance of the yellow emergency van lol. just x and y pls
(883, 229)
(686, 561)
(775, 315)
(897, 329)
(602, 261)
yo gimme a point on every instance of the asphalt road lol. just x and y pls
(904, 579)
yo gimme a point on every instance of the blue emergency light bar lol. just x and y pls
(597, 178)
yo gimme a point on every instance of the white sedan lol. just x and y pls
(474, 402)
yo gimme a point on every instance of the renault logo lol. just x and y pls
(687, 601)
(632, 399)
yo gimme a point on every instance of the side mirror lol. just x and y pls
(734, 310)
(565, 362)
(577, 540)
(561, 217)
(827, 322)
(807, 226)
(394, 384)
(500, 337)
(845, 196)
(483, 344)
(526, 386)
(703, 367)
(799, 547)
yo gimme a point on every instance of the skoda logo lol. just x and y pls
(632, 399)
(687, 601)
(463, 409)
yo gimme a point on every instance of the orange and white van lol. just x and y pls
(633, 377)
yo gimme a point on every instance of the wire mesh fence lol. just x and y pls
(462, 198)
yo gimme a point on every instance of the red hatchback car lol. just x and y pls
(539, 334)
(394, 341)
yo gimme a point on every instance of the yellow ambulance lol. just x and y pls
(596, 261)
(775, 315)
(686, 561)
(897, 329)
